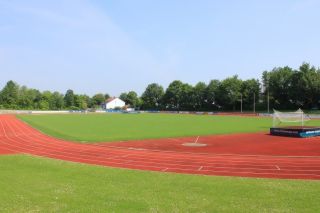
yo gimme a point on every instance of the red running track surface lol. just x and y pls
(4, 151)
(243, 155)
(233, 144)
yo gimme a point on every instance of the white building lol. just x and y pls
(112, 103)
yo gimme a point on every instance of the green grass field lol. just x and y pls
(32, 184)
(115, 127)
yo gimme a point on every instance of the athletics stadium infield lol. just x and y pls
(243, 155)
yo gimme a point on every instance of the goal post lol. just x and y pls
(289, 117)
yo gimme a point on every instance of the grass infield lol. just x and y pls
(116, 127)
(34, 184)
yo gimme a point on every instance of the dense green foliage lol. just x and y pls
(115, 127)
(290, 88)
(12, 96)
(98, 99)
(33, 184)
(131, 98)
(284, 87)
(152, 96)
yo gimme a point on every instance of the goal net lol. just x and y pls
(289, 117)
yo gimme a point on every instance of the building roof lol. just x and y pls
(111, 99)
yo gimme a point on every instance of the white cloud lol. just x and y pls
(91, 42)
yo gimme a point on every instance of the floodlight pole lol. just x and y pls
(254, 102)
(268, 104)
(268, 101)
(268, 97)
(241, 103)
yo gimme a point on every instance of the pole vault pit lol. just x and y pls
(296, 131)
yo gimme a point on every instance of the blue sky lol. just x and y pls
(120, 45)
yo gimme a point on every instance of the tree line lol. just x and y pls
(12, 96)
(280, 88)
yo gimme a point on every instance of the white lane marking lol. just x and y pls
(165, 169)
(197, 139)
(139, 149)
(277, 167)
(200, 168)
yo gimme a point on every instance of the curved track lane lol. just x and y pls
(18, 137)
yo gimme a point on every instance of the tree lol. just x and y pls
(98, 99)
(57, 101)
(173, 95)
(305, 86)
(199, 96)
(25, 98)
(123, 96)
(279, 82)
(186, 101)
(211, 95)
(250, 89)
(229, 92)
(132, 99)
(81, 101)
(9, 95)
(36, 96)
(106, 96)
(46, 100)
(152, 96)
(43, 105)
(69, 98)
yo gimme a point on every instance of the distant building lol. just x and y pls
(112, 103)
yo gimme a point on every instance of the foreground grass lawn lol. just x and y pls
(113, 127)
(33, 184)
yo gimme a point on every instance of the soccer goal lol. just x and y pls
(289, 117)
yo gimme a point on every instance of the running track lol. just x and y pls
(275, 160)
